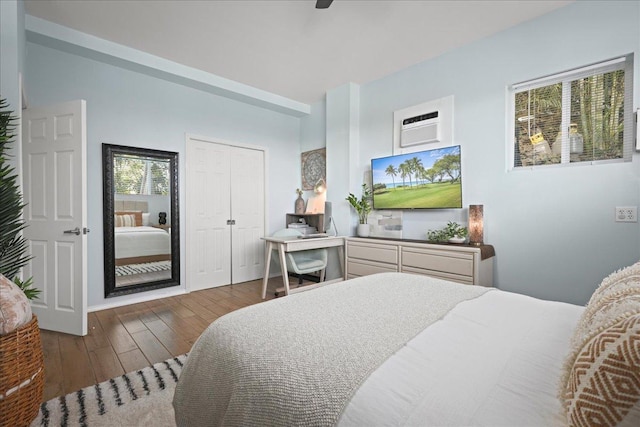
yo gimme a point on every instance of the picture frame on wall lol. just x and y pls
(313, 168)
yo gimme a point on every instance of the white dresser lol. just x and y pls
(472, 265)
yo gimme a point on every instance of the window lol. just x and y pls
(579, 116)
(140, 175)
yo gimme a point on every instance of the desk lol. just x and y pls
(293, 244)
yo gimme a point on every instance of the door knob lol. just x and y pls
(75, 231)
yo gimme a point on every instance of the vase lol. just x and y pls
(299, 205)
(363, 230)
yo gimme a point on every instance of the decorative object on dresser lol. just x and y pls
(471, 265)
(452, 233)
(363, 208)
(476, 224)
(162, 218)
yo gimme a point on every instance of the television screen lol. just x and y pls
(423, 180)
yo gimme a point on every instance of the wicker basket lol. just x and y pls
(21, 375)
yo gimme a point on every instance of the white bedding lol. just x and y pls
(491, 361)
(131, 242)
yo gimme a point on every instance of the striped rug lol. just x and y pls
(138, 398)
(147, 267)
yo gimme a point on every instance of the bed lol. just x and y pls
(399, 349)
(137, 242)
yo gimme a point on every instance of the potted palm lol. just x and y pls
(22, 363)
(363, 207)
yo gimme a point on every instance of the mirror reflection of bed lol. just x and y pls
(142, 246)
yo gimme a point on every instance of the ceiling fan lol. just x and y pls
(323, 4)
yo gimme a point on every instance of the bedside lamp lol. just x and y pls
(476, 225)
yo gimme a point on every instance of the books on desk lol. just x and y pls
(313, 236)
(303, 228)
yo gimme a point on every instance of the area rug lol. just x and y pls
(140, 398)
(147, 267)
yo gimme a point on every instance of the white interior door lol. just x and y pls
(225, 214)
(55, 187)
(247, 210)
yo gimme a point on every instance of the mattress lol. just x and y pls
(491, 361)
(133, 242)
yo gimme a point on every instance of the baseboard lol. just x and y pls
(137, 300)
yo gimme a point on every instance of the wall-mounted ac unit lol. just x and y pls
(420, 129)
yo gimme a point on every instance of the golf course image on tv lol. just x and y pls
(423, 180)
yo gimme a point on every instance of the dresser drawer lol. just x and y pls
(357, 268)
(371, 252)
(455, 263)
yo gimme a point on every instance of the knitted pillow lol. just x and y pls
(604, 383)
(617, 297)
(15, 309)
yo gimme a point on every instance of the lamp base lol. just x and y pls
(476, 243)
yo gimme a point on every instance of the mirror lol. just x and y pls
(141, 224)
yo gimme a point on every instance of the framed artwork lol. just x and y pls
(314, 167)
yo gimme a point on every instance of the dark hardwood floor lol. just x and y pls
(128, 338)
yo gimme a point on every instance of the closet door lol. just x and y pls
(247, 211)
(208, 210)
(225, 214)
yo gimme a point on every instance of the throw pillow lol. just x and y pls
(15, 310)
(604, 384)
(137, 215)
(124, 220)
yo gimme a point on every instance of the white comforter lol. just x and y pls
(141, 241)
(492, 361)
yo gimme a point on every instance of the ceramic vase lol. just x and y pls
(299, 209)
(363, 230)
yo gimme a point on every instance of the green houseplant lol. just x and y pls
(13, 246)
(363, 207)
(453, 230)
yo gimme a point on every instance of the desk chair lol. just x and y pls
(303, 262)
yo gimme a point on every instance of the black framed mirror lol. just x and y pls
(141, 219)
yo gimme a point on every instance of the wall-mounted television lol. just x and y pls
(429, 179)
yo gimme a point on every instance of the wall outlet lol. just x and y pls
(626, 214)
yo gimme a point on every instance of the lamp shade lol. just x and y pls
(476, 224)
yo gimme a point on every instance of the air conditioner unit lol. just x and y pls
(420, 129)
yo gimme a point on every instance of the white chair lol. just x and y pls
(302, 262)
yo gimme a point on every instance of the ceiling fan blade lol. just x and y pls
(323, 4)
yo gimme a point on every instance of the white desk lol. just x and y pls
(293, 244)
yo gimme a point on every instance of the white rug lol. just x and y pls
(140, 398)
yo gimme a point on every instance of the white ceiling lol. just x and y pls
(288, 47)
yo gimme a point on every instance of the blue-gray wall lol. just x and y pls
(553, 229)
(129, 108)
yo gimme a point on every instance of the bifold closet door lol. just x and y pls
(247, 213)
(225, 214)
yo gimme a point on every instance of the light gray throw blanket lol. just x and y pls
(298, 360)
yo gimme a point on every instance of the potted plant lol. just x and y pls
(13, 246)
(22, 363)
(363, 208)
(453, 233)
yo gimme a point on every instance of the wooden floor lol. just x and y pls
(128, 338)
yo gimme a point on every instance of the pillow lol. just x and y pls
(145, 219)
(125, 220)
(604, 383)
(137, 214)
(15, 310)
